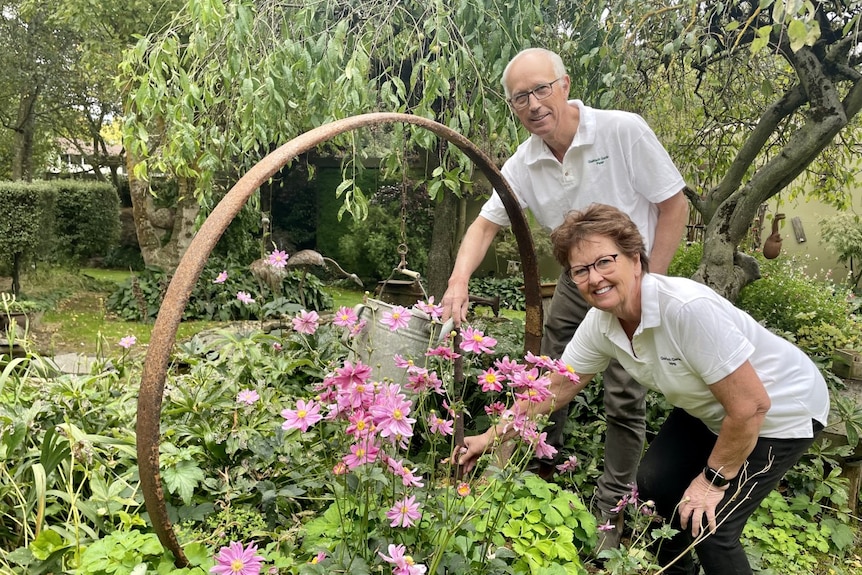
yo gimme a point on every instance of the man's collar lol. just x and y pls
(537, 150)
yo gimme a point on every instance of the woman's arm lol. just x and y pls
(745, 402)
(563, 390)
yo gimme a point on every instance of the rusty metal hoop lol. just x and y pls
(189, 270)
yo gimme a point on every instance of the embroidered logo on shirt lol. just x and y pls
(598, 161)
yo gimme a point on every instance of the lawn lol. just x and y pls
(77, 320)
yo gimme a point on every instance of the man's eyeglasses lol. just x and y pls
(603, 265)
(542, 91)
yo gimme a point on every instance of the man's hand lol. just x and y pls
(701, 497)
(455, 303)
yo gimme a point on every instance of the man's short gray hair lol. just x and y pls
(556, 61)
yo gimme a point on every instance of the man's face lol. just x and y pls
(540, 117)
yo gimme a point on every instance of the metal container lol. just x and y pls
(377, 344)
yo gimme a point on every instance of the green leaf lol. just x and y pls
(46, 543)
(182, 479)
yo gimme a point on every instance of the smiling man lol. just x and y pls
(576, 156)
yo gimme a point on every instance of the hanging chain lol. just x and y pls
(402, 247)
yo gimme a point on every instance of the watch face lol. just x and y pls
(714, 477)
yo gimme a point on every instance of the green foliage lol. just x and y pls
(843, 235)
(140, 297)
(510, 290)
(371, 245)
(545, 525)
(686, 260)
(787, 299)
(27, 217)
(784, 538)
(86, 220)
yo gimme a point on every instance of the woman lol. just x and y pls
(747, 403)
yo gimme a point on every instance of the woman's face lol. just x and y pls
(616, 291)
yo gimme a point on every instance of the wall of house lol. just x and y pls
(820, 261)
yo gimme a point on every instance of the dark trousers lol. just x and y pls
(624, 400)
(677, 454)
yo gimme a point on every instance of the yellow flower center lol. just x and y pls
(396, 414)
(477, 337)
(237, 565)
(360, 452)
(360, 425)
(301, 413)
(396, 315)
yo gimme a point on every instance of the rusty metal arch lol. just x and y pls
(192, 264)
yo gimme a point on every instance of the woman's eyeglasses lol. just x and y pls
(603, 265)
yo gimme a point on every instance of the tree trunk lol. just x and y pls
(164, 234)
(722, 267)
(441, 256)
(25, 128)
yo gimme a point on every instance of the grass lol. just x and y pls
(76, 320)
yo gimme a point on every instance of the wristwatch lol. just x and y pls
(714, 477)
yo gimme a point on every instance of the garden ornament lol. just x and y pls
(189, 270)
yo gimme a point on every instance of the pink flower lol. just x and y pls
(360, 454)
(491, 380)
(358, 328)
(476, 341)
(443, 351)
(440, 425)
(434, 311)
(247, 396)
(221, 278)
(566, 370)
(404, 513)
(403, 564)
(463, 489)
(277, 259)
(568, 465)
(396, 319)
(507, 366)
(244, 297)
(306, 322)
(350, 374)
(407, 475)
(339, 468)
(390, 415)
(128, 341)
(496, 408)
(345, 317)
(304, 416)
(237, 560)
(541, 361)
(607, 526)
(321, 555)
(401, 362)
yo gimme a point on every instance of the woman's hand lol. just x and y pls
(473, 448)
(701, 497)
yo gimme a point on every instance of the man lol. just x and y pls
(576, 156)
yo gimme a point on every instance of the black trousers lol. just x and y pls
(677, 454)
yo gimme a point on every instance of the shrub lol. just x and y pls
(686, 260)
(140, 297)
(510, 290)
(787, 299)
(86, 220)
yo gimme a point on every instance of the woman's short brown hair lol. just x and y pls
(598, 220)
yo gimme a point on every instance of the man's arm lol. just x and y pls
(473, 248)
(672, 219)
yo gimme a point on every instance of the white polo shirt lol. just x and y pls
(614, 159)
(689, 338)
